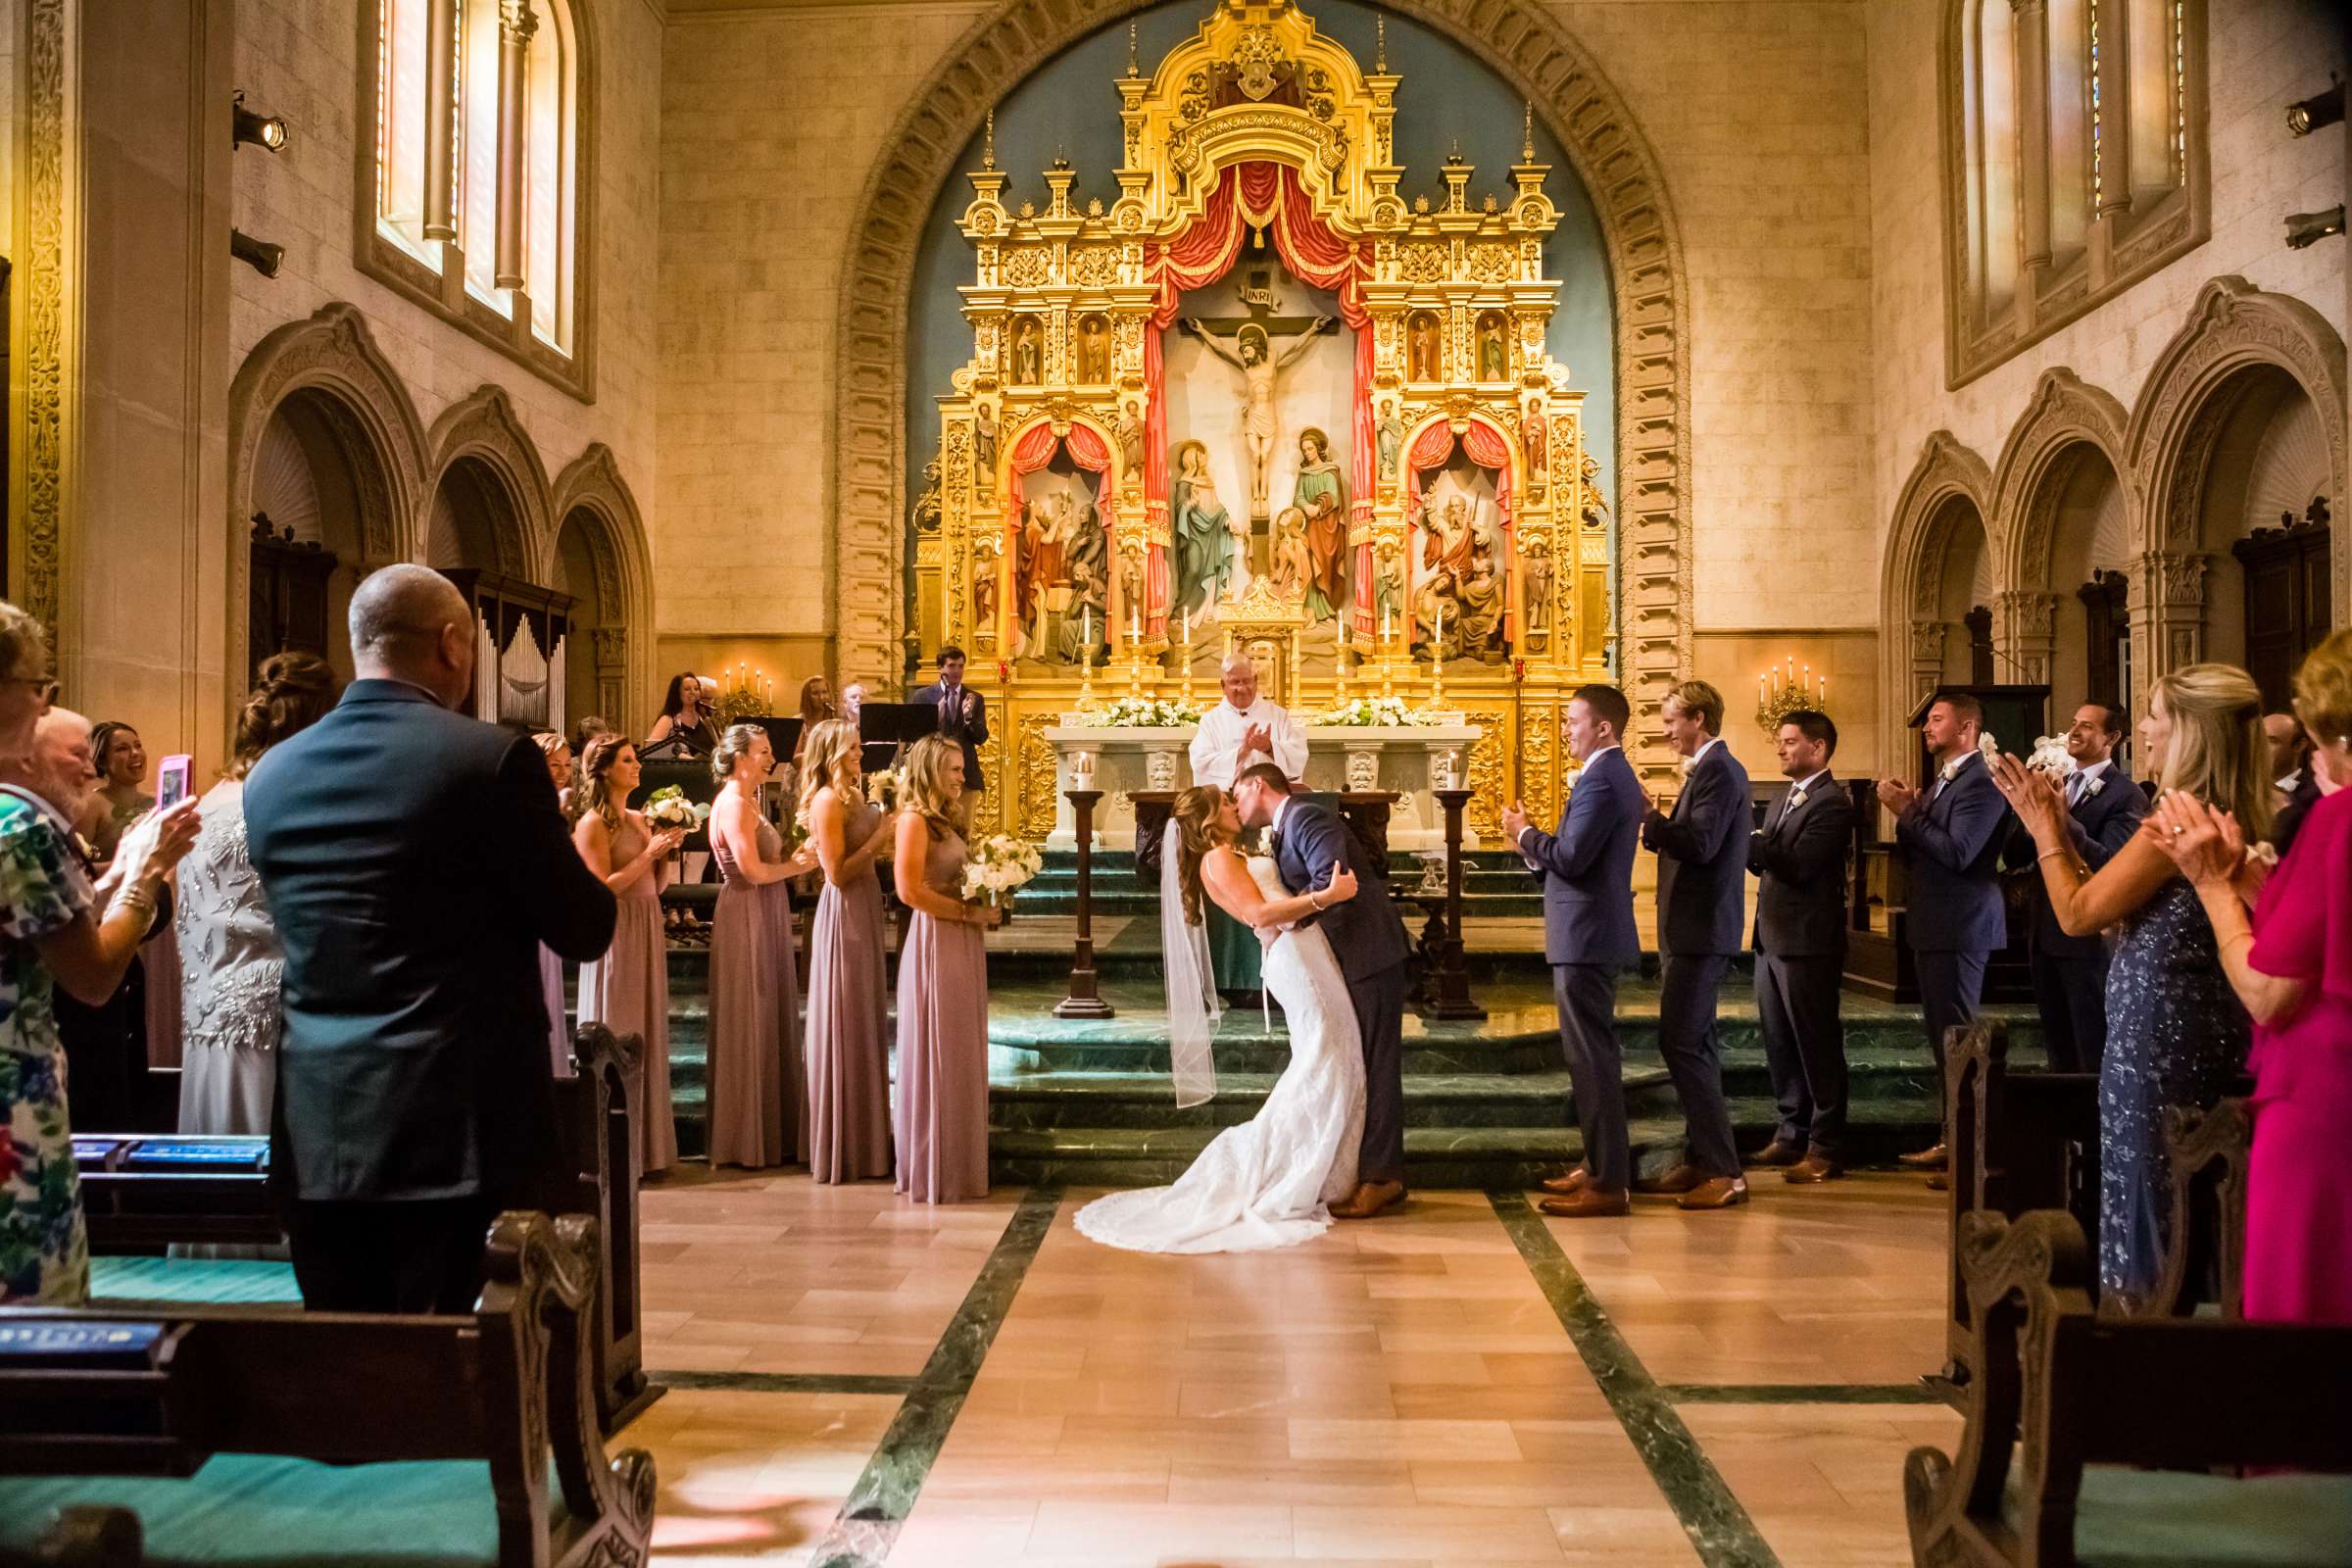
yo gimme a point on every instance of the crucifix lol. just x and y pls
(1260, 345)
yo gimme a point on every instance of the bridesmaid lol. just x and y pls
(759, 1098)
(558, 752)
(942, 1112)
(849, 1065)
(627, 990)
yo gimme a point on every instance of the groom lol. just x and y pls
(1368, 940)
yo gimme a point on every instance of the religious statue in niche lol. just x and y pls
(1320, 497)
(1389, 433)
(1461, 582)
(1493, 361)
(984, 444)
(1423, 353)
(1027, 358)
(1532, 421)
(1535, 572)
(1093, 351)
(1042, 585)
(1088, 607)
(1131, 583)
(984, 591)
(1204, 530)
(1131, 443)
(1251, 352)
(1292, 561)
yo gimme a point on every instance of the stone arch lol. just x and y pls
(2070, 436)
(2234, 332)
(1524, 43)
(1950, 488)
(596, 515)
(326, 373)
(481, 451)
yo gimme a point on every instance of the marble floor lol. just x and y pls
(854, 1380)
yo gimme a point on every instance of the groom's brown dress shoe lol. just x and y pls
(1568, 1186)
(1368, 1200)
(1780, 1151)
(1716, 1191)
(1935, 1158)
(1588, 1203)
(1680, 1179)
(1814, 1167)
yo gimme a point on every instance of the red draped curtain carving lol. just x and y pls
(1035, 450)
(1488, 447)
(1248, 196)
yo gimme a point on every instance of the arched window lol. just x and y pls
(474, 181)
(2075, 160)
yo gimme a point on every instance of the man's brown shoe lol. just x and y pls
(1935, 1158)
(1716, 1191)
(1591, 1203)
(1939, 1182)
(1813, 1168)
(1568, 1186)
(1680, 1179)
(1369, 1199)
(1780, 1151)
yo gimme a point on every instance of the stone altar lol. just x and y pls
(1408, 759)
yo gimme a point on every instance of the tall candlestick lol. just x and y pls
(1135, 624)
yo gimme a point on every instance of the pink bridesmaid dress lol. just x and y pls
(759, 1098)
(942, 1111)
(2298, 1199)
(848, 1002)
(628, 991)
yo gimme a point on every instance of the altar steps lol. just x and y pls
(1494, 883)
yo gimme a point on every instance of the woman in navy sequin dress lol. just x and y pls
(2177, 1034)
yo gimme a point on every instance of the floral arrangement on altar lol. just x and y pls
(999, 866)
(1145, 712)
(1383, 712)
(668, 808)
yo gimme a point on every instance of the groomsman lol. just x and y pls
(962, 712)
(1800, 949)
(2070, 973)
(1703, 884)
(1586, 869)
(1950, 836)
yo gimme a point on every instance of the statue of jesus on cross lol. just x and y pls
(1249, 351)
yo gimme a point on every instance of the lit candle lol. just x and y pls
(1823, 700)
(1086, 633)
(1384, 623)
(1437, 646)
(1793, 666)
(1763, 691)
(1135, 625)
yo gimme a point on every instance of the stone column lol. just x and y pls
(2026, 632)
(2111, 69)
(1927, 661)
(610, 647)
(440, 119)
(515, 26)
(2168, 600)
(2033, 33)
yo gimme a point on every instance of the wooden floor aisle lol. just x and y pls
(856, 1381)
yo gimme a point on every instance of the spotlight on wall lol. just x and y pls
(260, 255)
(2318, 109)
(2309, 228)
(266, 132)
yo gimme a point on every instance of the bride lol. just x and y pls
(1267, 1182)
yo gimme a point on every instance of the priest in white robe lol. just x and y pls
(1239, 733)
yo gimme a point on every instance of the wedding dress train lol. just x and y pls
(1269, 1182)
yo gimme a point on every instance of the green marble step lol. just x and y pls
(1146, 1100)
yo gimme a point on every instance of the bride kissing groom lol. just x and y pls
(1329, 1138)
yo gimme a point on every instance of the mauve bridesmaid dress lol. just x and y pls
(759, 1102)
(849, 1063)
(942, 1108)
(628, 991)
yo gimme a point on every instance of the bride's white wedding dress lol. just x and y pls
(1270, 1181)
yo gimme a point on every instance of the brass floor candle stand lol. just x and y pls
(1449, 987)
(1084, 1001)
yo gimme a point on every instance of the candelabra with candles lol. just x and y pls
(745, 691)
(1783, 691)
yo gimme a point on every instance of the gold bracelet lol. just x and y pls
(1311, 898)
(2080, 870)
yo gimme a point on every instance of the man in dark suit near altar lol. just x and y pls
(1950, 836)
(1586, 871)
(1800, 853)
(1702, 892)
(2070, 973)
(414, 863)
(962, 712)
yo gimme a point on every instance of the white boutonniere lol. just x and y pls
(2093, 788)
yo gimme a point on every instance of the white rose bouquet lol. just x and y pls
(2050, 757)
(998, 867)
(668, 808)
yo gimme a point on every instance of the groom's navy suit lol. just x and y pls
(1588, 873)
(1368, 940)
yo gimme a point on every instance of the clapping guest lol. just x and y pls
(2175, 1035)
(232, 962)
(2295, 779)
(684, 716)
(122, 796)
(627, 990)
(2292, 965)
(941, 1117)
(146, 1012)
(849, 1066)
(558, 752)
(758, 1090)
(962, 712)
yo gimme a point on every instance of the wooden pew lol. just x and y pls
(136, 1434)
(2114, 1439)
(141, 1195)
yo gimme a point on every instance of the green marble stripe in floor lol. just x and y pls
(1719, 1527)
(785, 1382)
(1803, 1394)
(868, 1523)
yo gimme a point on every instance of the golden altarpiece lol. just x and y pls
(1450, 519)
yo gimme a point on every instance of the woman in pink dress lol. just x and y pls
(759, 1094)
(941, 1116)
(558, 752)
(627, 990)
(2292, 965)
(849, 1063)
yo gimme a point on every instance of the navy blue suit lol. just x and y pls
(1952, 842)
(972, 733)
(1703, 882)
(1368, 939)
(2070, 973)
(1586, 869)
(1800, 853)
